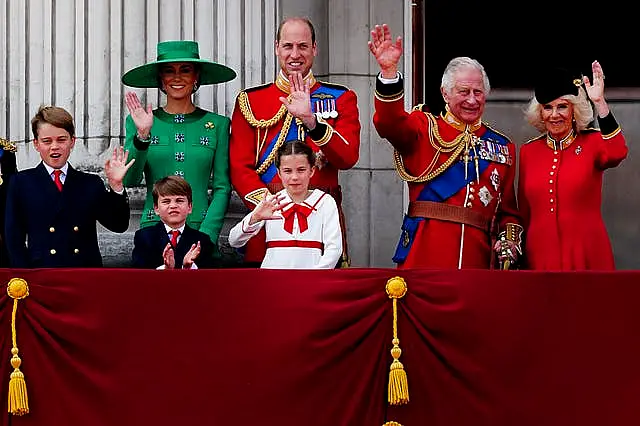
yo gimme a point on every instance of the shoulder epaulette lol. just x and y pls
(8, 145)
(590, 130)
(497, 131)
(254, 88)
(420, 107)
(540, 136)
(334, 85)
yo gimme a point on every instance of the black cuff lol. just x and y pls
(390, 90)
(140, 146)
(608, 124)
(318, 132)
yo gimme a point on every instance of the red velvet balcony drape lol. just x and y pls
(256, 347)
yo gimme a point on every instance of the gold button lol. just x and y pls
(551, 209)
(472, 183)
(75, 228)
(551, 191)
(469, 205)
(551, 200)
(550, 180)
(550, 173)
(555, 160)
(471, 197)
(52, 229)
(53, 251)
(76, 251)
(554, 167)
(472, 190)
(555, 152)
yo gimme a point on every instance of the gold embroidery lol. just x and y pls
(562, 143)
(463, 142)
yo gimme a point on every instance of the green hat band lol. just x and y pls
(178, 55)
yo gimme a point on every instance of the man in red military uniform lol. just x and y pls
(294, 107)
(460, 172)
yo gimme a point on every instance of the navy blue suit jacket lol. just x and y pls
(149, 243)
(47, 228)
(9, 168)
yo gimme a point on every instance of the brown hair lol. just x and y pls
(171, 185)
(56, 116)
(299, 19)
(295, 147)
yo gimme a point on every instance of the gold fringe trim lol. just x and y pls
(18, 401)
(392, 424)
(396, 288)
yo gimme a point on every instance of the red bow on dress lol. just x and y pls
(299, 210)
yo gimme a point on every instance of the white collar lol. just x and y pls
(310, 201)
(168, 229)
(50, 169)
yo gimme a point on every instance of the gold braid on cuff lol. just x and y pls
(512, 232)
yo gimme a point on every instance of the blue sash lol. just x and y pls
(322, 94)
(493, 147)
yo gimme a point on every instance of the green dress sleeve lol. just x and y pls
(136, 150)
(221, 185)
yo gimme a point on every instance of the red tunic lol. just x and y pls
(560, 196)
(338, 141)
(438, 243)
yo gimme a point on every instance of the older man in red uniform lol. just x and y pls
(460, 172)
(294, 107)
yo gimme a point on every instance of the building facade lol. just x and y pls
(72, 54)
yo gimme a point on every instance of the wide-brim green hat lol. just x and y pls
(146, 75)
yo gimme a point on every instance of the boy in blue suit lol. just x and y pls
(171, 243)
(52, 209)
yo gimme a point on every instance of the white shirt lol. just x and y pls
(323, 227)
(64, 169)
(170, 230)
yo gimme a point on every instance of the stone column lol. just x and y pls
(373, 194)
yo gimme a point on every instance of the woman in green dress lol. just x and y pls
(180, 138)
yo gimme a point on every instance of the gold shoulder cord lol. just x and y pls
(456, 146)
(272, 155)
(245, 108)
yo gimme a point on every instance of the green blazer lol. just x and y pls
(194, 146)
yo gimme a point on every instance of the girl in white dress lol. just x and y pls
(302, 226)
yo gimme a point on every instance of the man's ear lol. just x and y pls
(445, 95)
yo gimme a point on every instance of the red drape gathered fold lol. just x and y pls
(261, 347)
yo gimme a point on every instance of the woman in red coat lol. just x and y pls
(560, 177)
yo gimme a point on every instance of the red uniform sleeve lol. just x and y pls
(613, 148)
(402, 129)
(242, 156)
(612, 151)
(508, 210)
(523, 203)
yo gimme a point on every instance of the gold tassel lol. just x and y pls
(392, 424)
(398, 385)
(18, 401)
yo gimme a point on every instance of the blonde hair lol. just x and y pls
(582, 111)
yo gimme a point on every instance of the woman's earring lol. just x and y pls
(196, 86)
